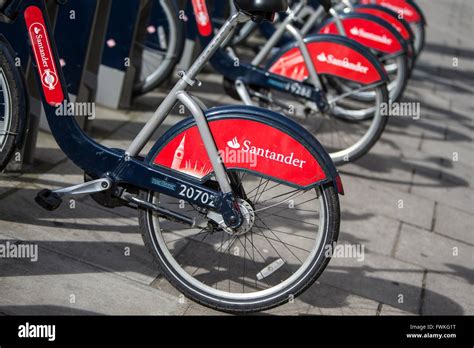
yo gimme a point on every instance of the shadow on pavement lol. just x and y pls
(43, 310)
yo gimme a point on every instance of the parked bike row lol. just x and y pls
(235, 220)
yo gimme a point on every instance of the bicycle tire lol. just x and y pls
(397, 86)
(148, 80)
(420, 37)
(13, 108)
(210, 299)
(379, 124)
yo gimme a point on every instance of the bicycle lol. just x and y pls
(406, 11)
(375, 27)
(301, 80)
(229, 248)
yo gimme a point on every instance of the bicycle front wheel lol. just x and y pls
(280, 250)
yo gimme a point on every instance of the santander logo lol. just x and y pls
(202, 17)
(43, 54)
(233, 144)
(343, 63)
(247, 147)
(360, 32)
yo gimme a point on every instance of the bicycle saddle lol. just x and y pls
(261, 9)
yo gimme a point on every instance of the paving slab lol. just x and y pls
(455, 223)
(378, 278)
(96, 236)
(376, 233)
(456, 296)
(371, 197)
(436, 253)
(456, 194)
(60, 285)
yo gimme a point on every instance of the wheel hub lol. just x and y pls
(248, 215)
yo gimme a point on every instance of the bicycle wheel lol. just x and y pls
(398, 71)
(279, 251)
(159, 45)
(349, 129)
(419, 33)
(11, 104)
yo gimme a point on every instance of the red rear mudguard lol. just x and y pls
(370, 31)
(332, 55)
(251, 139)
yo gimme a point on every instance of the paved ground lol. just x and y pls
(410, 202)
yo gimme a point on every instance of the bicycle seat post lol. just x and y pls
(223, 34)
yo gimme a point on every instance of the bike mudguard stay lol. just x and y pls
(370, 31)
(100, 161)
(332, 54)
(250, 139)
(407, 9)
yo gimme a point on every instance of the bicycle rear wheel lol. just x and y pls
(398, 72)
(159, 46)
(349, 129)
(419, 33)
(11, 105)
(279, 251)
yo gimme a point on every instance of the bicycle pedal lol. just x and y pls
(48, 200)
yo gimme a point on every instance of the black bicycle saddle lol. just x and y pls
(261, 9)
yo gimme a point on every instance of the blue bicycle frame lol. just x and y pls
(125, 168)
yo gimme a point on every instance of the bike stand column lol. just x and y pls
(116, 72)
(35, 108)
(73, 31)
